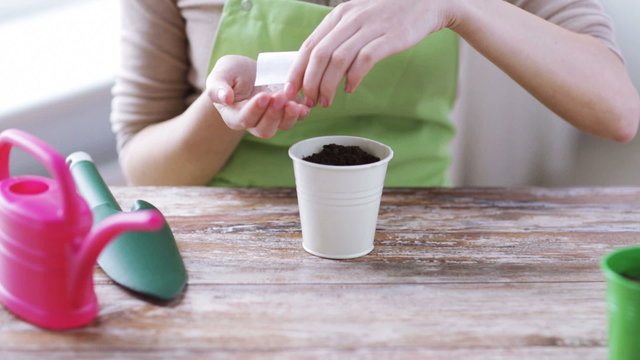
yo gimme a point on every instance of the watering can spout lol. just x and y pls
(107, 230)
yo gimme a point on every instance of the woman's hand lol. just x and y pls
(259, 110)
(355, 36)
(573, 74)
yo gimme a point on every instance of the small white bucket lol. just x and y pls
(339, 204)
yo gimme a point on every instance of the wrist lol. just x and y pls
(454, 13)
(464, 14)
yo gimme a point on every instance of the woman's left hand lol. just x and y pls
(355, 36)
(242, 106)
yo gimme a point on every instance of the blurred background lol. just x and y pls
(59, 59)
(56, 71)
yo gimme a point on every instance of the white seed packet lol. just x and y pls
(273, 67)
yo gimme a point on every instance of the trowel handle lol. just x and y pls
(89, 182)
(49, 157)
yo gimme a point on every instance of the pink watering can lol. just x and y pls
(47, 246)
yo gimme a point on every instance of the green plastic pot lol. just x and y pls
(623, 302)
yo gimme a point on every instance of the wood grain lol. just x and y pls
(295, 317)
(488, 273)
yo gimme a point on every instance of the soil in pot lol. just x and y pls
(334, 154)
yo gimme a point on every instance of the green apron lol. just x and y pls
(403, 102)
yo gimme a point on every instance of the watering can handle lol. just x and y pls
(48, 156)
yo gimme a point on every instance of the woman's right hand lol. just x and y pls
(259, 110)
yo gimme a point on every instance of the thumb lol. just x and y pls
(219, 91)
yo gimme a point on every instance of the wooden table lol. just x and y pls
(488, 273)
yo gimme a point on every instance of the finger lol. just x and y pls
(279, 100)
(320, 58)
(243, 84)
(368, 56)
(303, 110)
(220, 92)
(266, 128)
(290, 117)
(252, 111)
(231, 72)
(340, 63)
(297, 71)
(220, 81)
(270, 120)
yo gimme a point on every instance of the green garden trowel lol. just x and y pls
(148, 263)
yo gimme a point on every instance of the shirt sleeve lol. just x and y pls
(580, 16)
(151, 84)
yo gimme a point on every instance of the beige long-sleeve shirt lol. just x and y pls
(166, 45)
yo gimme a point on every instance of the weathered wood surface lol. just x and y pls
(456, 273)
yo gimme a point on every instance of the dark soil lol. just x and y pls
(334, 154)
(630, 277)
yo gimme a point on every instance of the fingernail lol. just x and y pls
(310, 103)
(348, 88)
(324, 102)
(222, 95)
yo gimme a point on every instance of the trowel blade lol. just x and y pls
(148, 263)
